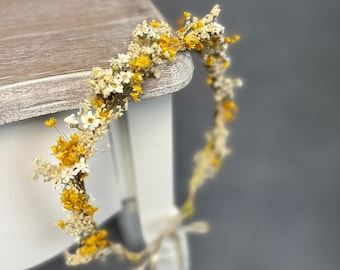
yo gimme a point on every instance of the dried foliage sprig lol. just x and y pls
(110, 90)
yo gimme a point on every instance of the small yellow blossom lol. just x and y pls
(51, 122)
(230, 110)
(186, 15)
(197, 25)
(90, 210)
(135, 96)
(142, 61)
(155, 24)
(98, 102)
(182, 29)
(191, 42)
(232, 40)
(137, 78)
(216, 162)
(169, 46)
(137, 88)
(226, 64)
(104, 114)
(210, 80)
(68, 152)
(94, 242)
(61, 224)
(77, 202)
(210, 61)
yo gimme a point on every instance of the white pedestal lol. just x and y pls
(29, 209)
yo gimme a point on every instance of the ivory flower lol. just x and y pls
(89, 121)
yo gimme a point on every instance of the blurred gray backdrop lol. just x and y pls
(275, 204)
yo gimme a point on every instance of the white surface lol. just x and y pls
(29, 210)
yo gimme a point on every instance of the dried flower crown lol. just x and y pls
(110, 91)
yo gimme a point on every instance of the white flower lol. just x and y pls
(147, 50)
(238, 82)
(71, 120)
(124, 58)
(121, 60)
(116, 86)
(97, 73)
(89, 121)
(66, 175)
(65, 180)
(215, 11)
(215, 29)
(144, 30)
(151, 33)
(106, 91)
(139, 33)
(156, 73)
(125, 76)
(81, 166)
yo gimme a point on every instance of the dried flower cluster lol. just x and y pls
(110, 90)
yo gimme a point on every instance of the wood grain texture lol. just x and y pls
(47, 49)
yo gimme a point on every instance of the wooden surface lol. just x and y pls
(47, 49)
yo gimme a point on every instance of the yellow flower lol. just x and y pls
(77, 202)
(90, 210)
(182, 29)
(98, 102)
(142, 61)
(155, 24)
(191, 42)
(72, 200)
(210, 61)
(230, 109)
(68, 152)
(164, 41)
(169, 46)
(104, 114)
(137, 88)
(226, 64)
(94, 242)
(210, 80)
(197, 25)
(137, 78)
(232, 40)
(135, 96)
(216, 162)
(186, 15)
(51, 122)
(61, 224)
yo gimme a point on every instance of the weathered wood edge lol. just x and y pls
(28, 99)
(50, 94)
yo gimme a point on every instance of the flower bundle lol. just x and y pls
(108, 97)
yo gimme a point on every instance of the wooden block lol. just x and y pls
(47, 49)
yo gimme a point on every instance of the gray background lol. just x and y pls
(275, 203)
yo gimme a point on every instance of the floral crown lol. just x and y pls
(108, 97)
